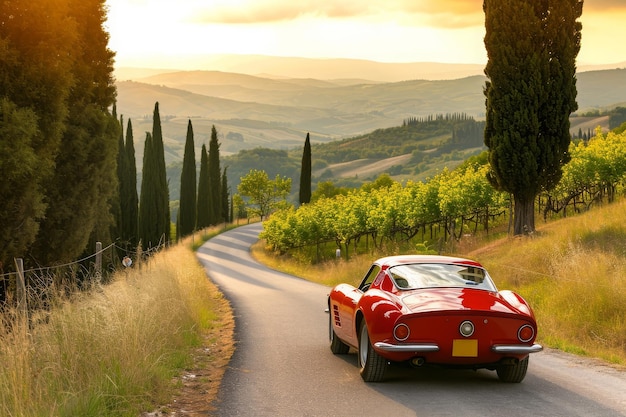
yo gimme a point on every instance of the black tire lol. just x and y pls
(372, 365)
(336, 345)
(513, 373)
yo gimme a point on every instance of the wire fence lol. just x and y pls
(36, 287)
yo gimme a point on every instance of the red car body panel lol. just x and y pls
(434, 316)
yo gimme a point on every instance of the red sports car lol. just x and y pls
(432, 310)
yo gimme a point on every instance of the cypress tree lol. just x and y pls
(162, 192)
(225, 197)
(84, 184)
(305, 173)
(35, 85)
(150, 234)
(131, 200)
(187, 208)
(203, 211)
(215, 181)
(122, 171)
(530, 93)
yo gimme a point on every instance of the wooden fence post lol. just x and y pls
(22, 306)
(98, 265)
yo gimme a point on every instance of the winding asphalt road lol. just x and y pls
(282, 365)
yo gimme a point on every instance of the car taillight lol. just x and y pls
(526, 333)
(401, 332)
(466, 328)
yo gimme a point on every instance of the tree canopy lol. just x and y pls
(58, 187)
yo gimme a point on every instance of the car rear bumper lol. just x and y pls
(416, 348)
(517, 349)
(432, 347)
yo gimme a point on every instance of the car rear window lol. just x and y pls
(413, 276)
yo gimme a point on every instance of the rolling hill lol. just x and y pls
(251, 111)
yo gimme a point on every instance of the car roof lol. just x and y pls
(395, 260)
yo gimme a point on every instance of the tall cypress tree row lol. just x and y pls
(187, 209)
(162, 193)
(530, 94)
(203, 211)
(305, 173)
(215, 181)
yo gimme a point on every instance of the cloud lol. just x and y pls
(442, 13)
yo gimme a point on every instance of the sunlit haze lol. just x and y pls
(168, 34)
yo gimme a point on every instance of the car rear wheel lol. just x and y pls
(336, 345)
(513, 373)
(371, 363)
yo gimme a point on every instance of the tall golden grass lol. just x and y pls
(572, 271)
(114, 350)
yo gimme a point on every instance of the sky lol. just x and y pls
(157, 33)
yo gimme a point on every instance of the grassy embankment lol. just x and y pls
(116, 350)
(572, 271)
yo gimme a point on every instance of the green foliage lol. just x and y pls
(20, 190)
(596, 171)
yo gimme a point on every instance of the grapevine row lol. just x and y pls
(597, 168)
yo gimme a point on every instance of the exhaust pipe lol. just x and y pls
(417, 362)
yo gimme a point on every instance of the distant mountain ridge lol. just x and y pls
(324, 69)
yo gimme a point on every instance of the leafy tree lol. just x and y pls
(203, 210)
(215, 180)
(530, 93)
(264, 194)
(187, 209)
(305, 173)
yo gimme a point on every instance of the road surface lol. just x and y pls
(282, 365)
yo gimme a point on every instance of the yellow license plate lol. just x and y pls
(465, 348)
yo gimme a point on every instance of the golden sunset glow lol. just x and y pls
(163, 33)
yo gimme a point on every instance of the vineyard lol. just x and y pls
(450, 204)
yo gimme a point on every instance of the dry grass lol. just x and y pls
(116, 350)
(572, 272)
